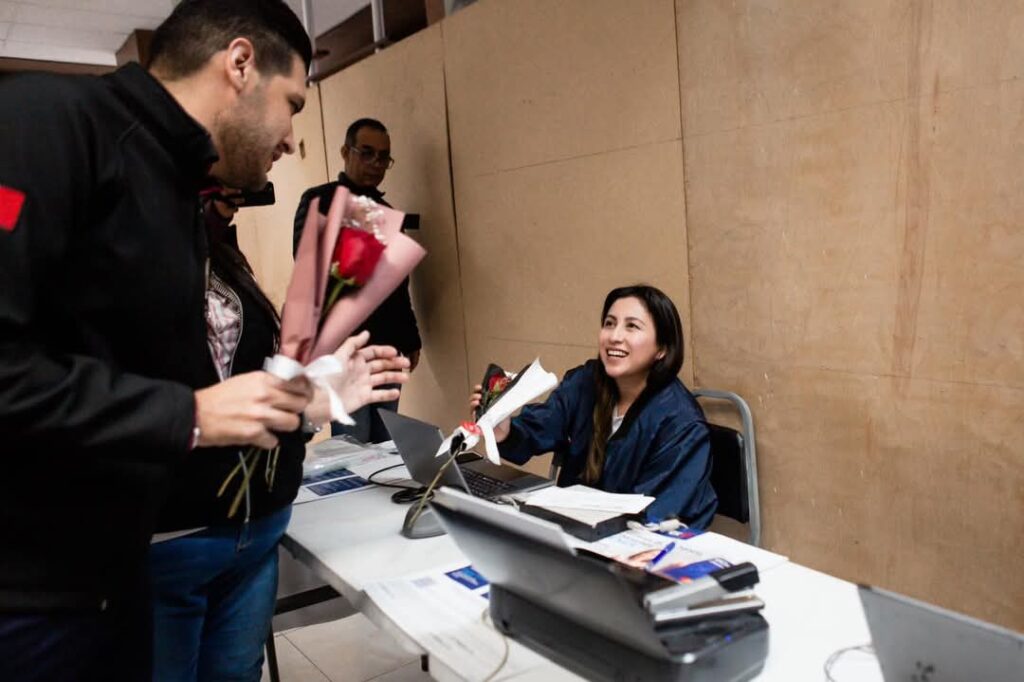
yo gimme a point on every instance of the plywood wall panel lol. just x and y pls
(403, 87)
(913, 485)
(532, 81)
(751, 62)
(795, 230)
(853, 212)
(265, 232)
(512, 355)
(542, 246)
(971, 275)
(974, 43)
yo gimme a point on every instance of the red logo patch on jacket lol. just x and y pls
(11, 201)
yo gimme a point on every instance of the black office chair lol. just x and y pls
(734, 466)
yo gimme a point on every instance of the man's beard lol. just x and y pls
(244, 149)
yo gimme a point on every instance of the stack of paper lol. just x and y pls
(588, 505)
(582, 497)
(444, 610)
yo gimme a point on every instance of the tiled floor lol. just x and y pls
(348, 650)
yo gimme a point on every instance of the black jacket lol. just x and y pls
(102, 335)
(393, 323)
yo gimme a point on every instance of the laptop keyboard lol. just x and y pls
(485, 486)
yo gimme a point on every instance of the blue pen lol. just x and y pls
(661, 555)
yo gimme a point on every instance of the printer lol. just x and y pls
(597, 617)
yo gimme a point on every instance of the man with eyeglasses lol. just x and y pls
(367, 156)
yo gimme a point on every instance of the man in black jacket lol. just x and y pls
(367, 156)
(104, 368)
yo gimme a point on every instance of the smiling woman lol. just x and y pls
(624, 422)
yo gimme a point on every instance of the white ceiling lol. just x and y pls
(91, 31)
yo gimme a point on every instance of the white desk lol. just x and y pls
(352, 540)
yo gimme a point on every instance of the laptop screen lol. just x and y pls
(918, 641)
(417, 443)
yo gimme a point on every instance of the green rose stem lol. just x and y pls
(248, 465)
(339, 286)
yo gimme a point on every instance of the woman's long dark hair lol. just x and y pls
(668, 331)
(231, 265)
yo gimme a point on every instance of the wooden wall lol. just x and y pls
(854, 208)
(567, 167)
(831, 193)
(403, 87)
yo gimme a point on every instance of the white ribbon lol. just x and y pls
(319, 372)
(471, 439)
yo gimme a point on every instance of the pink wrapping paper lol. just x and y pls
(307, 289)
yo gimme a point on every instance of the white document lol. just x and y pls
(638, 547)
(640, 544)
(734, 551)
(448, 618)
(589, 517)
(583, 497)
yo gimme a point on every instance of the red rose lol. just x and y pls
(355, 256)
(497, 383)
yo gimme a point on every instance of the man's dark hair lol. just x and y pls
(353, 130)
(198, 29)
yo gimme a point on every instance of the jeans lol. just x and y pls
(213, 600)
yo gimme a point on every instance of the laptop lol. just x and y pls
(917, 641)
(417, 443)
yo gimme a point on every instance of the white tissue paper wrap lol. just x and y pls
(535, 382)
(320, 372)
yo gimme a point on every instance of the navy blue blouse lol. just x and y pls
(662, 448)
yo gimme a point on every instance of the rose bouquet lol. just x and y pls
(496, 381)
(503, 394)
(347, 263)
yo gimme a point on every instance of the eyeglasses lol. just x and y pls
(370, 155)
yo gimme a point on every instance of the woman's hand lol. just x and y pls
(501, 430)
(366, 370)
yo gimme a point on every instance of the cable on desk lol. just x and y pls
(484, 618)
(369, 479)
(836, 655)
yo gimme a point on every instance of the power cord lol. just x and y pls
(408, 495)
(485, 618)
(836, 655)
(369, 479)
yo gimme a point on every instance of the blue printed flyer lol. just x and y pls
(468, 577)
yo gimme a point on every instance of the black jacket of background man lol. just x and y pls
(393, 323)
(102, 333)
